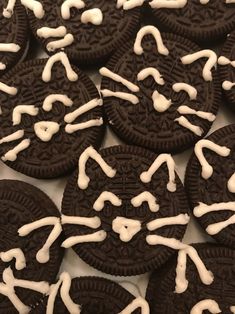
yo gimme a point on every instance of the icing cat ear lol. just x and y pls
(209, 305)
(90, 152)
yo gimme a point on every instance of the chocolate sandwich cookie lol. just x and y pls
(30, 251)
(123, 208)
(51, 112)
(206, 22)
(216, 297)
(88, 31)
(227, 70)
(90, 295)
(14, 34)
(161, 91)
(210, 183)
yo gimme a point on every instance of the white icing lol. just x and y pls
(170, 4)
(207, 170)
(46, 129)
(59, 57)
(125, 96)
(117, 78)
(190, 90)
(68, 4)
(90, 152)
(225, 61)
(91, 222)
(43, 255)
(169, 242)
(231, 184)
(137, 303)
(9, 10)
(129, 4)
(126, 228)
(146, 176)
(104, 197)
(23, 109)
(2, 66)
(184, 122)
(219, 226)
(160, 102)
(227, 85)
(201, 114)
(71, 128)
(8, 89)
(47, 32)
(7, 288)
(34, 6)
(64, 284)
(146, 197)
(211, 62)
(161, 48)
(11, 155)
(181, 219)
(232, 309)
(93, 16)
(8, 256)
(51, 99)
(204, 305)
(70, 117)
(142, 75)
(12, 137)
(9, 47)
(61, 43)
(98, 236)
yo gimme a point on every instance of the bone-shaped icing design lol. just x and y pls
(146, 197)
(184, 122)
(126, 228)
(47, 32)
(106, 196)
(9, 47)
(211, 62)
(12, 154)
(146, 176)
(207, 170)
(64, 284)
(149, 29)
(93, 16)
(59, 57)
(125, 96)
(34, 6)
(181, 219)
(66, 41)
(170, 4)
(142, 75)
(23, 109)
(68, 4)
(203, 209)
(209, 305)
(227, 85)
(189, 89)
(8, 89)
(43, 255)
(90, 152)
(9, 10)
(51, 99)
(7, 288)
(138, 303)
(129, 4)
(201, 114)
(225, 61)
(46, 129)
(12, 137)
(8, 256)
(71, 128)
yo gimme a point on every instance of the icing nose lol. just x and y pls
(126, 228)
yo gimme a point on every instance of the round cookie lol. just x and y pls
(92, 295)
(50, 113)
(227, 70)
(210, 183)
(218, 297)
(122, 208)
(21, 254)
(14, 34)
(89, 34)
(205, 22)
(160, 92)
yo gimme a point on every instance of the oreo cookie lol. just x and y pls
(123, 209)
(210, 183)
(90, 295)
(227, 70)
(51, 112)
(161, 91)
(29, 259)
(14, 34)
(205, 22)
(216, 297)
(88, 31)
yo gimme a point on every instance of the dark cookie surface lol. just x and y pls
(215, 189)
(20, 204)
(92, 43)
(202, 23)
(12, 30)
(141, 124)
(59, 155)
(94, 295)
(113, 255)
(220, 260)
